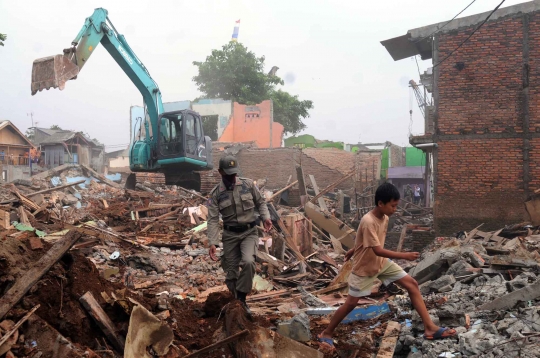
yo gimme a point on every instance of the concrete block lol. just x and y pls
(511, 299)
(447, 288)
(296, 328)
(443, 281)
(434, 265)
(459, 268)
(475, 259)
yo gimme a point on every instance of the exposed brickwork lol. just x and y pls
(418, 240)
(397, 156)
(276, 165)
(483, 117)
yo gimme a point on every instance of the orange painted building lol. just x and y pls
(253, 123)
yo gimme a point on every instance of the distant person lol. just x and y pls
(371, 262)
(408, 193)
(422, 195)
(416, 194)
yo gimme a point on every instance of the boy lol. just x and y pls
(371, 261)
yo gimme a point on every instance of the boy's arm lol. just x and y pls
(381, 251)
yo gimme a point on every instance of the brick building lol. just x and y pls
(482, 135)
(275, 165)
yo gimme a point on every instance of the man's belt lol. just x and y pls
(240, 228)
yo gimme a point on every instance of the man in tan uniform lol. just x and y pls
(240, 203)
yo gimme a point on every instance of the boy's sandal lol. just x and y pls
(328, 341)
(442, 333)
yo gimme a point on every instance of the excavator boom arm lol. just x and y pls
(54, 71)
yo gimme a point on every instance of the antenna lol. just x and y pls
(31, 114)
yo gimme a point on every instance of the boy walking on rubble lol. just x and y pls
(371, 261)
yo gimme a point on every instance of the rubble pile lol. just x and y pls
(111, 272)
(483, 284)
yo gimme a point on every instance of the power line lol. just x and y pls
(442, 27)
(467, 39)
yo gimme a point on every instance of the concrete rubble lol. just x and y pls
(135, 262)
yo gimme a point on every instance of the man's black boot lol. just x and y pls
(242, 298)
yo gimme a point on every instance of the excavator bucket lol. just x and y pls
(53, 72)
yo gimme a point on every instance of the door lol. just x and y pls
(195, 144)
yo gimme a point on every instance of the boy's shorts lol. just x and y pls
(360, 286)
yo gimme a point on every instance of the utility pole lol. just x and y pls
(31, 114)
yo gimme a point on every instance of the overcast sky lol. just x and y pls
(327, 51)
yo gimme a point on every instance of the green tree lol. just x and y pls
(30, 134)
(234, 73)
(289, 110)
(55, 126)
(3, 37)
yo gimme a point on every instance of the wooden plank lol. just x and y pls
(402, 238)
(8, 334)
(53, 171)
(105, 204)
(101, 177)
(218, 344)
(322, 203)
(102, 320)
(57, 188)
(331, 224)
(4, 219)
(29, 279)
(192, 193)
(331, 288)
(332, 186)
(262, 296)
(388, 343)
(281, 191)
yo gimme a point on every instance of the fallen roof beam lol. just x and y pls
(29, 279)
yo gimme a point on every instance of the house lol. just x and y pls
(254, 123)
(227, 121)
(482, 133)
(60, 147)
(14, 153)
(118, 161)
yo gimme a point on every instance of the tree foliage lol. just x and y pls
(30, 134)
(55, 126)
(289, 110)
(234, 73)
(3, 37)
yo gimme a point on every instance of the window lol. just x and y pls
(191, 138)
(170, 134)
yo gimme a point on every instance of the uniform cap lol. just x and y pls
(229, 164)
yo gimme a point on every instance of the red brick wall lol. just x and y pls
(481, 125)
(278, 164)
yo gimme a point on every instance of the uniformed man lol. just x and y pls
(240, 203)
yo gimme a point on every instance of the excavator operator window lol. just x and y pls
(191, 135)
(170, 135)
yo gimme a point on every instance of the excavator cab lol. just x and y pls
(52, 71)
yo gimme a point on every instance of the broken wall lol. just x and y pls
(487, 123)
(278, 164)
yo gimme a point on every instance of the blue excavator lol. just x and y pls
(172, 143)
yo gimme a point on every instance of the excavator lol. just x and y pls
(172, 143)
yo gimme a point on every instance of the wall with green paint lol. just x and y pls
(384, 163)
(302, 141)
(414, 157)
(309, 141)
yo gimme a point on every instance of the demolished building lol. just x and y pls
(482, 133)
